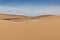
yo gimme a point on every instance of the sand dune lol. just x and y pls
(13, 17)
(2, 16)
(20, 18)
(46, 28)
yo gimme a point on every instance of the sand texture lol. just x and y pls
(43, 28)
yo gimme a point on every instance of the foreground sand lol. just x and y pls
(46, 28)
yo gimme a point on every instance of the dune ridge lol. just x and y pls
(20, 18)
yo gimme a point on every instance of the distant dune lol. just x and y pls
(40, 28)
(20, 18)
(13, 17)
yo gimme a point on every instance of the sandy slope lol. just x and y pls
(47, 28)
(4, 16)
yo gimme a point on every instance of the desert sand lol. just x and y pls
(44, 28)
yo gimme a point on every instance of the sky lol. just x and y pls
(30, 7)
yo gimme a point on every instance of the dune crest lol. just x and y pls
(19, 18)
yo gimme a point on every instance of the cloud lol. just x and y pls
(31, 11)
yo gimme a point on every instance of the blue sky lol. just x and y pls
(30, 7)
(29, 2)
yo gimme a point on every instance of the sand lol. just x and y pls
(45, 28)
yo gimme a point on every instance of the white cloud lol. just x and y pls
(24, 10)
